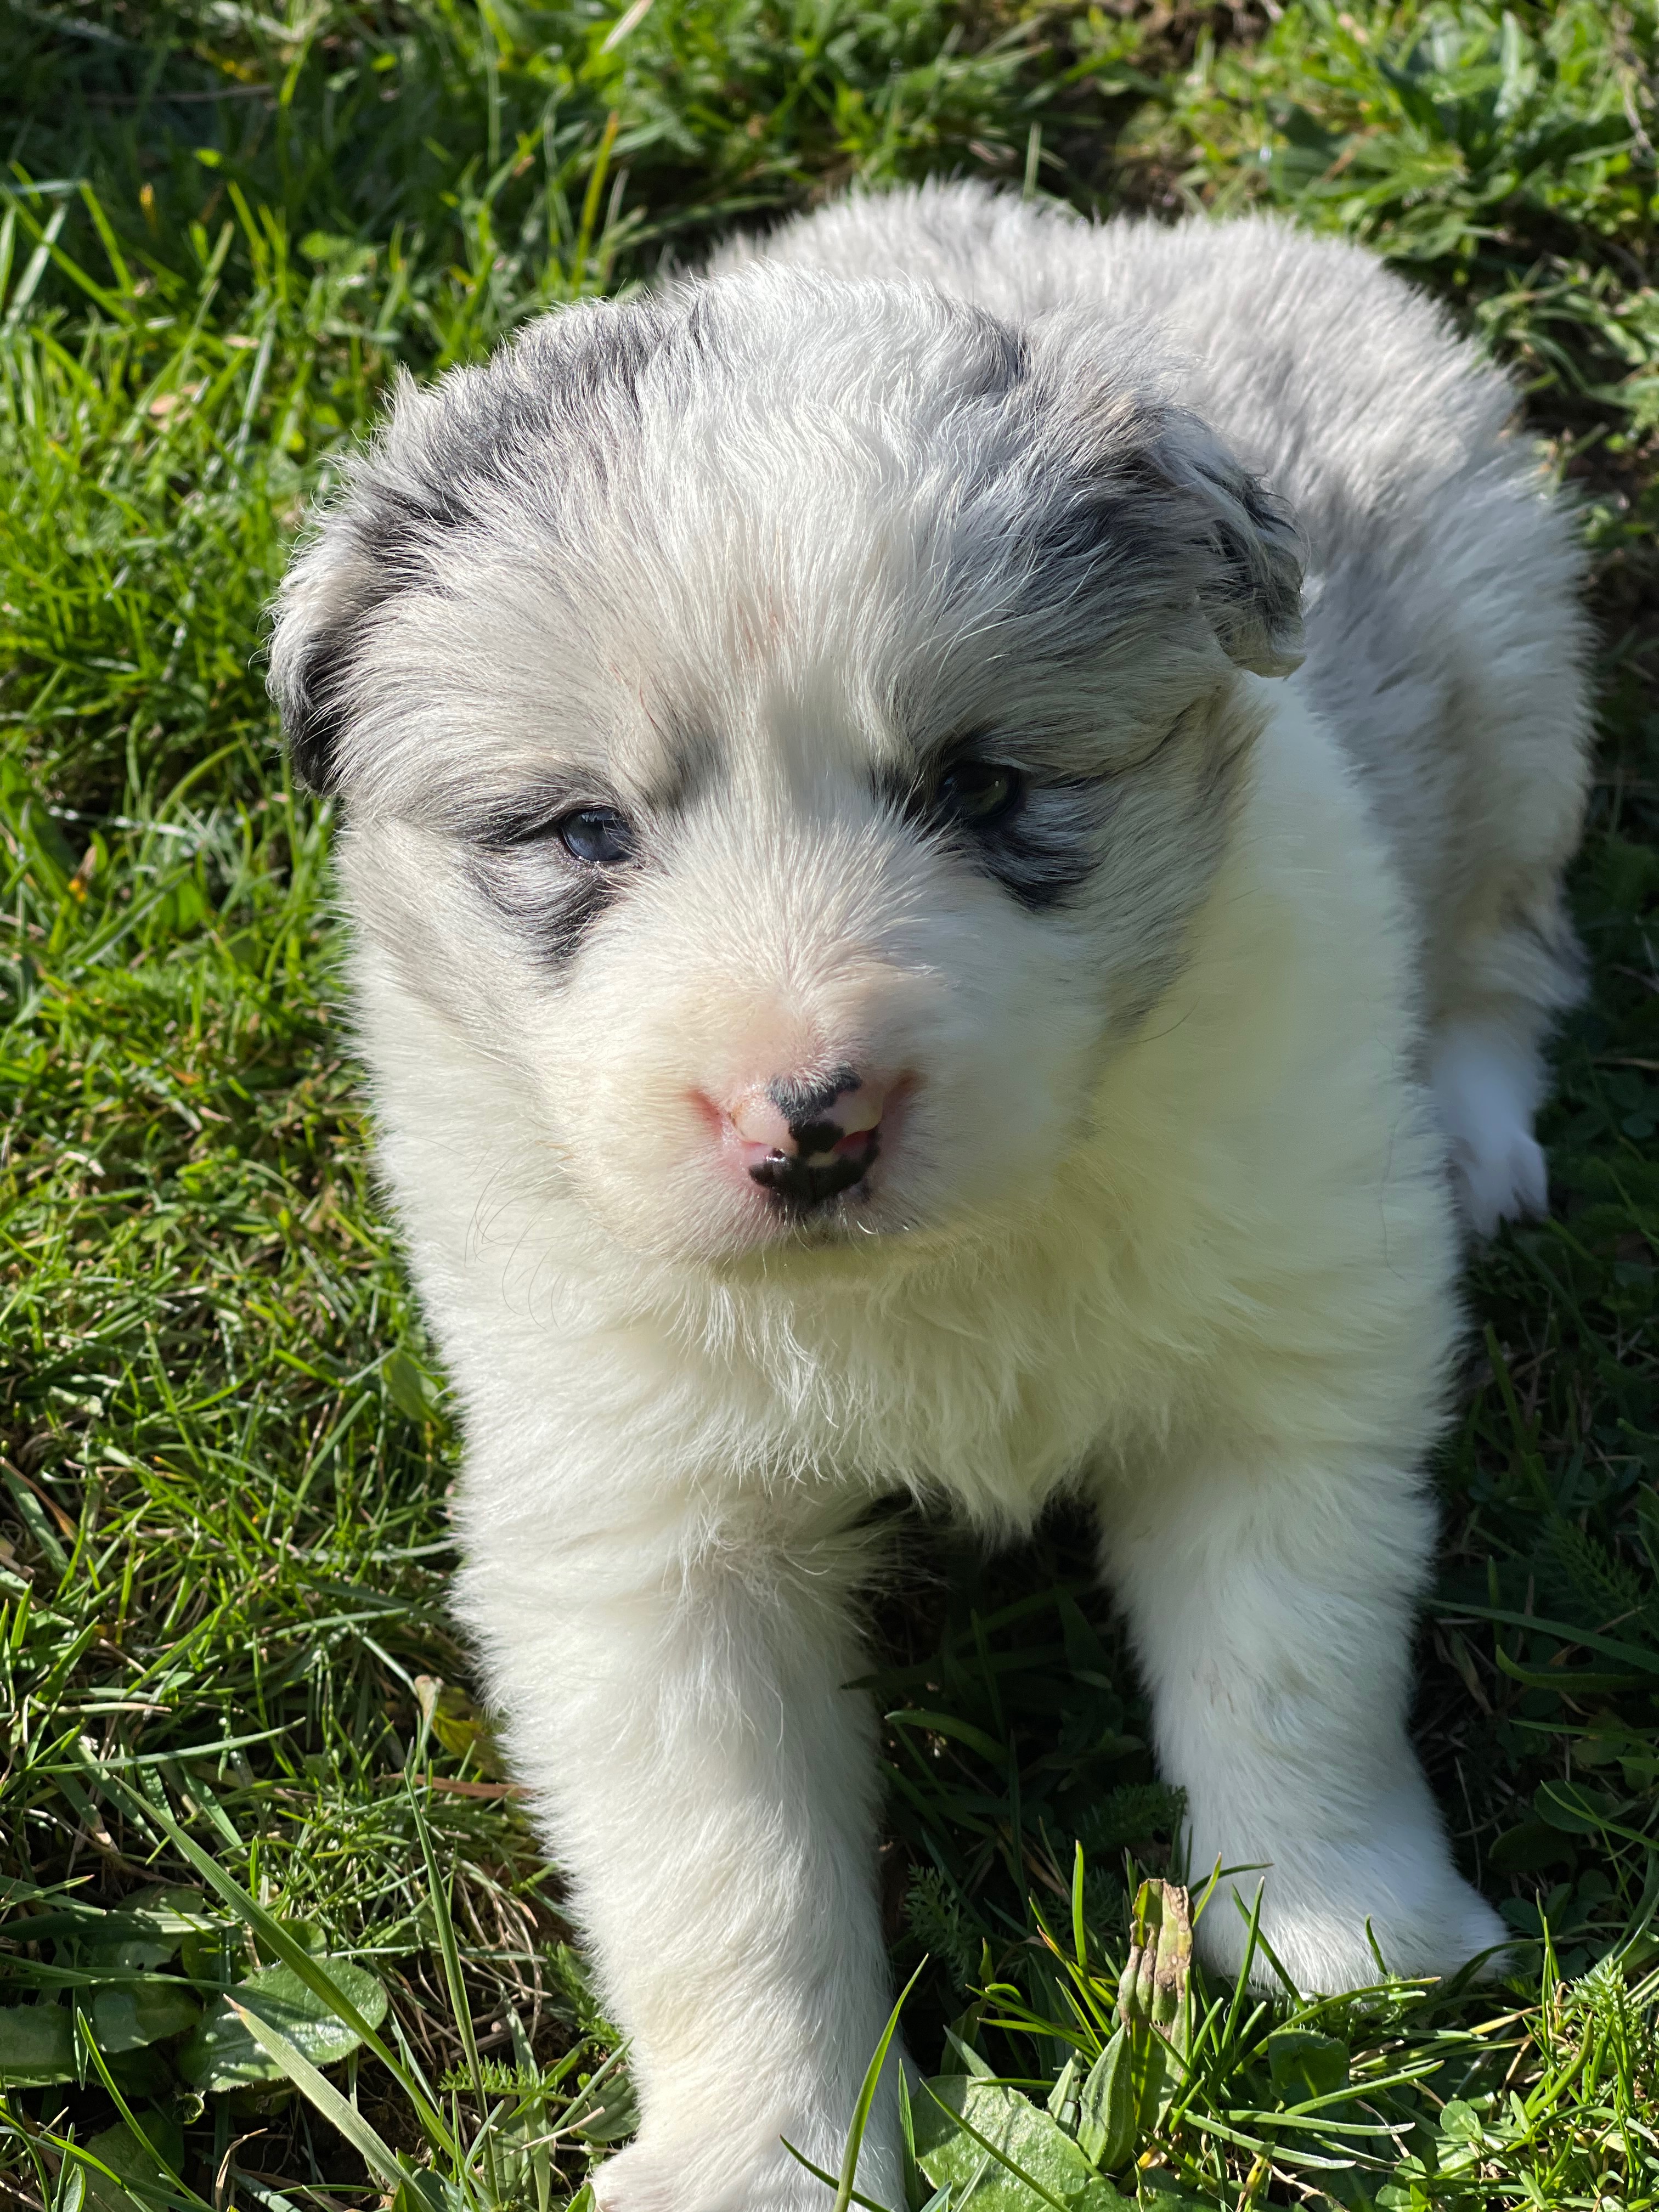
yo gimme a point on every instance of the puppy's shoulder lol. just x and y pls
(1282, 1174)
(1286, 1049)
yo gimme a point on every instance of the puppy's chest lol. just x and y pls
(991, 1401)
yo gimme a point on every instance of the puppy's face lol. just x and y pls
(791, 725)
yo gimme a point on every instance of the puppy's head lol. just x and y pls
(791, 723)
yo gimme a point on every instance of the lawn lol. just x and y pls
(242, 1765)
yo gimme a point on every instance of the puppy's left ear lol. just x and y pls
(1150, 489)
(1250, 586)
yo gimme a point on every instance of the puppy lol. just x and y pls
(888, 964)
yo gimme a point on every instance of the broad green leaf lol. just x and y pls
(1305, 2064)
(410, 1391)
(1572, 1807)
(127, 2019)
(1017, 2131)
(223, 2055)
(1461, 2122)
(1109, 2106)
(133, 1949)
(119, 2149)
(150, 1927)
(614, 2109)
(143, 2075)
(143, 1933)
(1157, 2193)
(1528, 1849)
(37, 2044)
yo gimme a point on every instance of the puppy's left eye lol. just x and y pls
(980, 793)
(598, 836)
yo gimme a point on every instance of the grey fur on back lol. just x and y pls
(1444, 637)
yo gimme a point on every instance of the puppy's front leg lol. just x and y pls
(1270, 1599)
(678, 1705)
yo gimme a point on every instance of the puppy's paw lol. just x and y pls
(1424, 1918)
(727, 2172)
(1484, 1088)
(1509, 1182)
(659, 2174)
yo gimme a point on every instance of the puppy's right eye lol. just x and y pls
(598, 836)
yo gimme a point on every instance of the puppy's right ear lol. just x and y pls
(328, 597)
(555, 402)
(366, 543)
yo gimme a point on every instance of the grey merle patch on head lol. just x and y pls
(1141, 507)
(445, 464)
(644, 530)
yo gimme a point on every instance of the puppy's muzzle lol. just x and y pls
(809, 1141)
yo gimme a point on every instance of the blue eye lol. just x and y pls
(980, 793)
(598, 836)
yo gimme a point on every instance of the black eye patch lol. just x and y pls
(553, 873)
(553, 901)
(1036, 836)
(1046, 847)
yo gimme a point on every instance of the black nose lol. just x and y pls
(800, 1185)
(824, 1157)
(806, 1103)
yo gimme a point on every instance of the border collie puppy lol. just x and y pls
(903, 946)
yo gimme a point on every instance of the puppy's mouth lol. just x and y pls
(826, 1165)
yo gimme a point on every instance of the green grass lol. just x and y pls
(237, 1738)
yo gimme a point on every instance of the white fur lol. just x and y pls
(1487, 1082)
(1167, 1221)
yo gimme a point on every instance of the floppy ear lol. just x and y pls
(564, 391)
(1252, 592)
(1149, 490)
(327, 599)
(370, 540)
